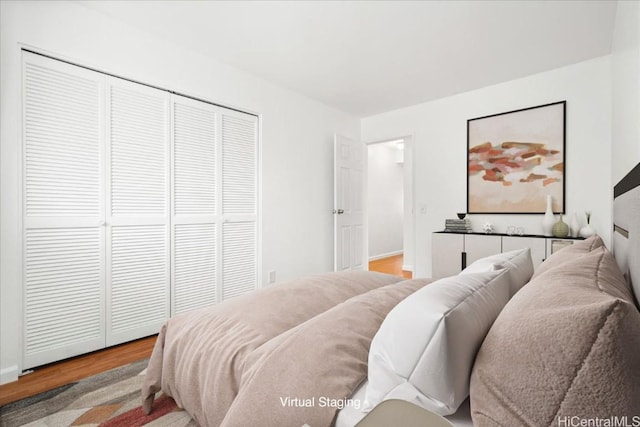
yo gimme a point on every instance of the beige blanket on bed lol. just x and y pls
(306, 374)
(199, 357)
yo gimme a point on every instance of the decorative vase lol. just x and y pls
(560, 228)
(575, 227)
(548, 220)
(587, 230)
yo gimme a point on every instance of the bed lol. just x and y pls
(498, 344)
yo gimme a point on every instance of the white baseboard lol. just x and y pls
(406, 267)
(387, 255)
(8, 375)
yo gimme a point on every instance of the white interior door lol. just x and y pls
(350, 168)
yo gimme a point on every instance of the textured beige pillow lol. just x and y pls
(579, 247)
(566, 345)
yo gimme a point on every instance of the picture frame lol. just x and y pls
(516, 159)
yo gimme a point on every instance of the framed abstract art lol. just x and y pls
(516, 159)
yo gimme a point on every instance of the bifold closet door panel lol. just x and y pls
(63, 205)
(195, 217)
(138, 232)
(239, 248)
(215, 188)
(239, 242)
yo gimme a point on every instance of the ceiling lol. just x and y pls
(368, 57)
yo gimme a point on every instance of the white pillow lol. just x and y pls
(424, 350)
(519, 264)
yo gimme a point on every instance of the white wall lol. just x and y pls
(625, 73)
(297, 149)
(439, 131)
(385, 200)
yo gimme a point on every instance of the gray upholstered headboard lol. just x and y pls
(626, 226)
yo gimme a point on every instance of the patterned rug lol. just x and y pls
(109, 399)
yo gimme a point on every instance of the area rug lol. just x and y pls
(109, 399)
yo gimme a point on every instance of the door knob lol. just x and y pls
(339, 211)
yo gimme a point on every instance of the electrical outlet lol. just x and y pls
(272, 276)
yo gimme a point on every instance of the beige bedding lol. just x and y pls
(205, 358)
(306, 374)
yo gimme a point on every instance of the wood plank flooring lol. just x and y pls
(390, 265)
(54, 375)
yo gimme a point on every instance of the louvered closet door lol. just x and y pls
(138, 210)
(195, 219)
(63, 205)
(239, 237)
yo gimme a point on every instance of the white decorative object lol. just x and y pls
(587, 230)
(487, 228)
(575, 226)
(548, 220)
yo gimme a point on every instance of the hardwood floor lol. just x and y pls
(67, 371)
(390, 265)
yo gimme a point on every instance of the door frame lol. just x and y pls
(409, 223)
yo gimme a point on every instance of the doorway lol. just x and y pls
(390, 206)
